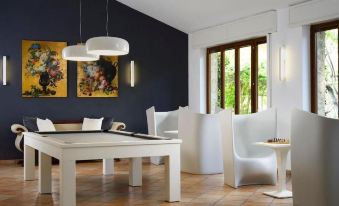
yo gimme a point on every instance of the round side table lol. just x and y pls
(281, 151)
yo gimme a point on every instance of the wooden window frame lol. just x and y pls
(254, 71)
(314, 84)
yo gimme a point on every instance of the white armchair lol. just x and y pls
(244, 162)
(158, 123)
(314, 158)
(201, 149)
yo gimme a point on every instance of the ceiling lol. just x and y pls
(192, 15)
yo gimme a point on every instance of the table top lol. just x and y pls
(97, 138)
(272, 145)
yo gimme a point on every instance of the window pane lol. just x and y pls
(327, 72)
(245, 80)
(215, 80)
(230, 79)
(262, 77)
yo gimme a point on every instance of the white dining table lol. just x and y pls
(70, 146)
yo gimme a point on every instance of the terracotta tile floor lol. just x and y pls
(94, 189)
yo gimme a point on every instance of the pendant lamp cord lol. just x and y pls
(80, 24)
(107, 17)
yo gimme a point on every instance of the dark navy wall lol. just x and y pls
(160, 53)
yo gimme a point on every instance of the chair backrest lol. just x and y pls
(201, 135)
(158, 122)
(150, 115)
(251, 128)
(314, 157)
(226, 130)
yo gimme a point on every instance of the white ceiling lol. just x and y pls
(192, 15)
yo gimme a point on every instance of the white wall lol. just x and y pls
(196, 77)
(294, 91)
(256, 25)
(290, 93)
(313, 11)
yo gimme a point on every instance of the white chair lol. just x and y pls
(158, 123)
(244, 162)
(314, 158)
(201, 151)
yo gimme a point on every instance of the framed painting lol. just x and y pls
(98, 78)
(44, 72)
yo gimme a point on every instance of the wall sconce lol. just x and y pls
(132, 73)
(282, 61)
(4, 70)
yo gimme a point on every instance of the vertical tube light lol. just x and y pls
(282, 72)
(4, 70)
(132, 73)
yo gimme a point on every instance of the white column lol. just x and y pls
(135, 171)
(45, 173)
(29, 163)
(172, 165)
(67, 183)
(108, 166)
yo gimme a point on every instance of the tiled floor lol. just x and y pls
(94, 189)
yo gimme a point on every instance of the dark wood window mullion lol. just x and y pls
(222, 79)
(254, 79)
(208, 82)
(314, 86)
(237, 81)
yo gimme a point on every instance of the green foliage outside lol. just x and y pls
(245, 81)
(327, 77)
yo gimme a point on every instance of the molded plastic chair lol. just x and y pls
(157, 123)
(314, 157)
(244, 162)
(201, 150)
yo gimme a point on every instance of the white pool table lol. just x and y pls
(70, 146)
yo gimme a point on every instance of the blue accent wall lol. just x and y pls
(160, 53)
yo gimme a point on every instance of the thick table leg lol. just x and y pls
(29, 163)
(67, 183)
(281, 163)
(135, 171)
(108, 166)
(172, 166)
(45, 173)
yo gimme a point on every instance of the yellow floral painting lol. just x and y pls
(98, 78)
(44, 72)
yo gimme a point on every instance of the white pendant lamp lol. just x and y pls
(78, 52)
(107, 45)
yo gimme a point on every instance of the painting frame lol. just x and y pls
(98, 79)
(44, 71)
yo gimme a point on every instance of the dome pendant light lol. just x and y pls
(78, 52)
(107, 45)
